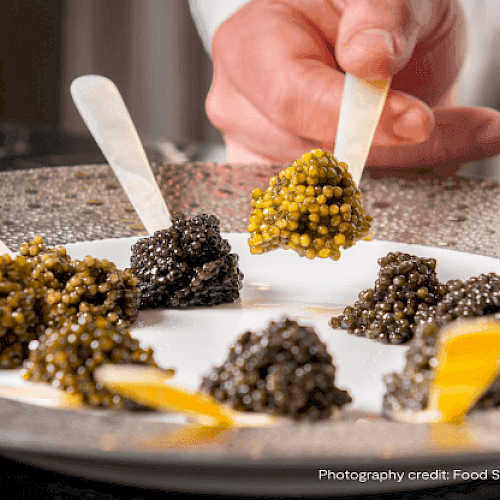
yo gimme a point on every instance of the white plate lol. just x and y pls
(195, 339)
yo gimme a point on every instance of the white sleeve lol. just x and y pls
(208, 15)
(480, 78)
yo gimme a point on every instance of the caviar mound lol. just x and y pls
(51, 266)
(409, 389)
(97, 287)
(312, 207)
(89, 285)
(188, 264)
(284, 370)
(19, 304)
(66, 357)
(43, 287)
(407, 289)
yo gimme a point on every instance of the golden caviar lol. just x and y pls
(67, 355)
(44, 288)
(312, 207)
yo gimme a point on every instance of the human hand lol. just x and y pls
(279, 73)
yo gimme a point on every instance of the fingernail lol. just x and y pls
(373, 39)
(410, 126)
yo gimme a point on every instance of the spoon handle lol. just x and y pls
(4, 249)
(360, 110)
(106, 116)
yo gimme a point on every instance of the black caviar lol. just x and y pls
(409, 390)
(188, 264)
(284, 370)
(312, 207)
(407, 288)
(67, 355)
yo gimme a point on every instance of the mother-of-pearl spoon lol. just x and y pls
(150, 387)
(360, 110)
(102, 108)
(4, 249)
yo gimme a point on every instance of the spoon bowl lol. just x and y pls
(151, 387)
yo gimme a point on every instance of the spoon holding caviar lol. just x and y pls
(360, 110)
(468, 361)
(104, 112)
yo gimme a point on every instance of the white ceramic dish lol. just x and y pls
(117, 447)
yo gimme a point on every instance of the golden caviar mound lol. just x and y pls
(19, 320)
(66, 357)
(312, 207)
(44, 288)
(89, 285)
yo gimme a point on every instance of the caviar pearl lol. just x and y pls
(409, 389)
(66, 357)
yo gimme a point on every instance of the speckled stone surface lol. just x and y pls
(71, 204)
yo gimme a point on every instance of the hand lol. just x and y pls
(279, 73)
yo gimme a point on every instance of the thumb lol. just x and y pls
(376, 38)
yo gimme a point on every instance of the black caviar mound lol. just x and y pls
(188, 264)
(66, 357)
(312, 207)
(19, 318)
(409, 390)
(284, 370)
(407, 289)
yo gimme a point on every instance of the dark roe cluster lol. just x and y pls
(284, 370)
(189, 264)
(407, 288)
(312, 207)
(409, 390)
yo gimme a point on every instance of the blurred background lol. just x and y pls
(152, 51)
(149, 48)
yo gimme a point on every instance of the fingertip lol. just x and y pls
(488, 134)
(407, 119)
(413, 125)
